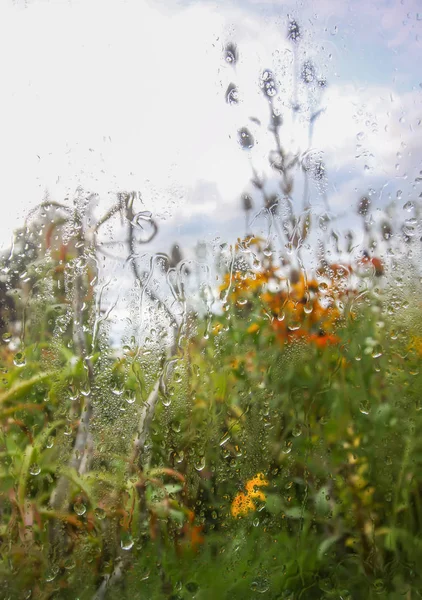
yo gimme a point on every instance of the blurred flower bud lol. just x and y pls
(386, 230)
(272, 203)
(175, 256)
(246, 202)
(276, 161)
(276, 119)
(231, 54)
(308, 72)
(363, 206)
(294, 276)
(246, 138)
(350, 238)
(267, 84)
(293, 31)
(232, 94)
(318, 171)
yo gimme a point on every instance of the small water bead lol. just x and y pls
(117, 391)
(100, 513)
(19, 359)
(377, 351)
(51, 573)
(50, 442)
(70, 564)
(200, 464)
(130, 396)
(6, 337)
(297, 430)
(79, 508)
(260, 586)
(364, 408)
(126, 543)
(35, 469)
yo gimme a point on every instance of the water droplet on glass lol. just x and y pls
(126, 543)
(232, 94)
(364, 407)
(79, 508)
(260, 586)
(6, 337)
(245, 138)
(117, 391)
(297, 430)
(35, 469)
(130, 396)
(200, 464)
(176, 427)
(51, 573)
(19, 359)
(377, 351)
(70, 563)
(100, 513)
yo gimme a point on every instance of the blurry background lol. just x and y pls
(113, 95)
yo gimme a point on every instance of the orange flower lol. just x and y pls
(374, 262)
(254, 483)
(192, 534)
(321, 341)
(253, 328)
(243, 503)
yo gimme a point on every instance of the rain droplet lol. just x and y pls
(100, 513)
(364, 408)
(200, 464)
(377, 351)
(6, 337)
(232, 94)
(79, 508)
(50, 442)
(297, 430)
(35, 469)
(117, 391)
(126, 543)
(19, 359)
(51, 573)
(261, 586)
(130, 396)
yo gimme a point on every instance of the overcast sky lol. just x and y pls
(129, 94)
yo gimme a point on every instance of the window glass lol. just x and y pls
(210, 300)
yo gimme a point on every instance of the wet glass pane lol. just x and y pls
(210, 300)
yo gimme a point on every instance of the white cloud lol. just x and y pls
(115, 95)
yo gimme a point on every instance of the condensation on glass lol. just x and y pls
(210, 301)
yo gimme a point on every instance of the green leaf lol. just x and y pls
(326, 544)
(274, 504)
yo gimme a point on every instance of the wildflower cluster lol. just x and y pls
(243, 502)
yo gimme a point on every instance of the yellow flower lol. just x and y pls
(256, 482)
(253, 328)
(243, 503)
(217, 328)
(416, 344)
